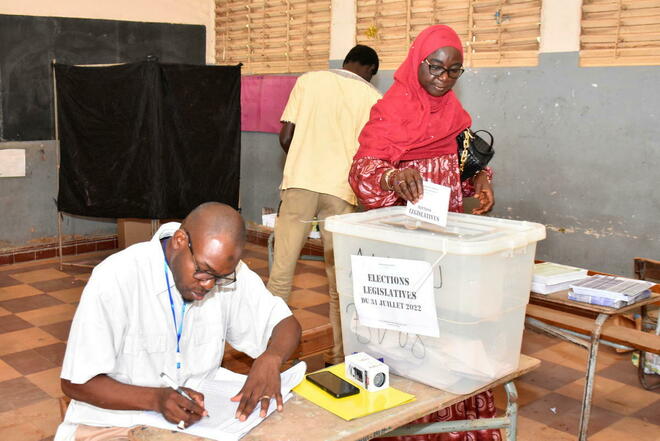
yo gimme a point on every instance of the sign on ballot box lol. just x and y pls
(395, 294)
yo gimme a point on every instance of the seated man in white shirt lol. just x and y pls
(168, 305)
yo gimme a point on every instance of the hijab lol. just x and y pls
(409, 123)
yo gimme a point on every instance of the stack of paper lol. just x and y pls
(611, 291)
(222, 424)
(552, 277)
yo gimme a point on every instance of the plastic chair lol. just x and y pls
(647, 269)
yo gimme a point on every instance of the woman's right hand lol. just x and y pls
(407, 184)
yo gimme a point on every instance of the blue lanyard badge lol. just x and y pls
(178, 328)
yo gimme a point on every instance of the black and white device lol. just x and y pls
(370, 373)
(332, 384)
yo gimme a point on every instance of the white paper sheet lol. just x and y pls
(433, 206)
(222, 424)
(395, 294)
(12, 163)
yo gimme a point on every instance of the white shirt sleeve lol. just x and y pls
(95, 332)
(254, 313)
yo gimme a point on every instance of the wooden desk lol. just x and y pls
(302, 420)
(586, 332)
(559, 300)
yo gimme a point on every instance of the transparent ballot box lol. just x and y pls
(481, 271)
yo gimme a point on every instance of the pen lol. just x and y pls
(166, 378)
(171, 383)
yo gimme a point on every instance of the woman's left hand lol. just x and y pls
(483, 191)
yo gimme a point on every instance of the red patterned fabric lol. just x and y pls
(408, 123)
(365, 175)
(478, 406)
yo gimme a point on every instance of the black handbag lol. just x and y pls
(474, 152)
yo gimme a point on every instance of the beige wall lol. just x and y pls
(200, 12)
(342, 28)
(560, 26)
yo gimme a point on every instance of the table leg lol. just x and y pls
(271, 241)
(589, 381)
(507, 422)
(641, 375)
(511, 411)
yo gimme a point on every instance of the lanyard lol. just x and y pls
(178, 328)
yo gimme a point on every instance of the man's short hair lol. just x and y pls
(364, 55)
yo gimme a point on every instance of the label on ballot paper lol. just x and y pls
(433, 206)
(395, 294)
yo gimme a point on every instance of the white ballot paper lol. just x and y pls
(395, 294)
(222, 424)
(433, 206)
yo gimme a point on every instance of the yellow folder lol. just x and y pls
(354, 406)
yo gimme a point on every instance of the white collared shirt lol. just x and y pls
(124, 327)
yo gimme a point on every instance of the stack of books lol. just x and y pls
(615, 292)
(552, 277)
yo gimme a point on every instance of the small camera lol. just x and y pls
(370, 373)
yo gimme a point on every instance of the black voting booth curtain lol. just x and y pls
(147, 140)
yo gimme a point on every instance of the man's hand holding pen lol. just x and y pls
(176, 408)
(180, 405)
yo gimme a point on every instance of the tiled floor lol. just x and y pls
(38, 300)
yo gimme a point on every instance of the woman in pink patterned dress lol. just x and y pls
(411, 137)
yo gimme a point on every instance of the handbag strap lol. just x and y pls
(467, 136)
(490, 144)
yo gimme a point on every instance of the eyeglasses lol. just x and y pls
(437, 71)
(204, 276)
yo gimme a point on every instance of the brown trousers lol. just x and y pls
(291, 230)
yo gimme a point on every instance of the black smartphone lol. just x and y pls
(332, 384)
